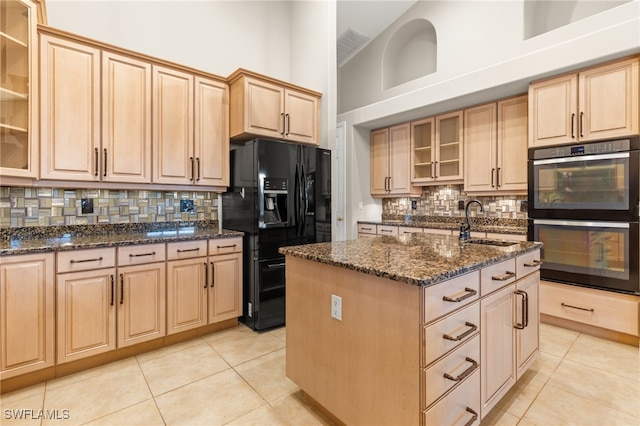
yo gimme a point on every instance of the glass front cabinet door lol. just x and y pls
(18, 88)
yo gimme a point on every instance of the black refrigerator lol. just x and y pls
(279, 195)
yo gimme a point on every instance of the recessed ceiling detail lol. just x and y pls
(349, 43)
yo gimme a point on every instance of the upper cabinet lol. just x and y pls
(436, 149)
(18, 88)
(390, 157)
(264, 107)
(596, 103)
(495, 138)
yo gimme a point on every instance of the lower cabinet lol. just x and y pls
(27, 323)
(225, 287)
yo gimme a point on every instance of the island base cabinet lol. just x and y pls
(28, 314)
(460, 407)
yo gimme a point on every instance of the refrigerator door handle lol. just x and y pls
(296, 200)
(305, 201)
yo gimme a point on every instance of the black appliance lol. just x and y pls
(279, 195)
(583, 204)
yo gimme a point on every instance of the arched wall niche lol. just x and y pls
(411, 53)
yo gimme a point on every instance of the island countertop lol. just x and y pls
(417, 259)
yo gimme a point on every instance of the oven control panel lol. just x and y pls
(594, 148)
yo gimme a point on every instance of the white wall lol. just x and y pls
(482, 56)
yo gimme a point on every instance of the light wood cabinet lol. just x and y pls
(596, 103)
(225, 289)
(495, 142)
(190, 143)
(437, 149)
(19, 91)
(390, 157)
(261, 106)
(86, 304)
(27, 322)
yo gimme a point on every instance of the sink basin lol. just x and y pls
(498, 243)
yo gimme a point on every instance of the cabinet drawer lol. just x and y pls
(604, 309)
(225, 245)
(508, 237)
(497, 276)
(461, 406)
(440, 299)
(408, 230)
(438, 231)
(528, 263)
(458, 327)
(186, 249)
(138, 254)
(83, 260)
(387, 230)
(450, 370)
(364, 228)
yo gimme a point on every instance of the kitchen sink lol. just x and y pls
(498, 243)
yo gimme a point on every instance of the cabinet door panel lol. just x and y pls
(86, 314)
(480, 140)
(172, 126)
(512, 144)
(399, 158)
(186, 294)
(552, 108)
(141, 303)
(27, 321)
(379, 161)
(265, 108)
(126, 119)
(225, 293)
(70, 110)
(528, 339)
(449, 137)
(301, 117)
(211, 132)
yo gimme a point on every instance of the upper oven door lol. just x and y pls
(585, 187)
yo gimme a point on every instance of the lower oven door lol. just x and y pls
(601, 255)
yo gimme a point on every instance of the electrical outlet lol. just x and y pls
(414, 204)
(336, 307)
(86, 205)
(460, 204)
(524, 205)
(186, 206)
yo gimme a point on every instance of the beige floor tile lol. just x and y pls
(604, 354)
(498, 417)
(544, 365)
(606, 388)
(522, 394)
(555, 406)
(267, 375)
(97, 396)
(280, 333)
(22, 407)
(144, 413)
(93, 372)
(555, 340)
(214, 400)
(169, 349)
(175, 369)
(241, 344)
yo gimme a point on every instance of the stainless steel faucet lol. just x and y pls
(465, 229)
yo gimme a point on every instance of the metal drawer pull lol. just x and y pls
(97, 259)
(465, 373)
(213, 277)
(153, 253)
(121, 289)
(504, 276)
(525, 310)
(463, 335)
(276, 265)
(188, 250)
(231, 246)
(470, 293)
(564, 305)
(533, 263)
(473, 419)
(386, 230)
(206, 275)
(113, 290)
(366, 229)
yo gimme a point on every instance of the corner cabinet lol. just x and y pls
(261, 106)
(495, 138)
(390, 157)
(19, 89)
(595, 103)
(27, 322)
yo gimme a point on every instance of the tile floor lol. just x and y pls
(236, 377)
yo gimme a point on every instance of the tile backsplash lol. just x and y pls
(443, 201)
(53, 206)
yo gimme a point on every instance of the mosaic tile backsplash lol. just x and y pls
(52, 206)
(443, 201)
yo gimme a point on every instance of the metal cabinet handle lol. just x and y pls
(492, 172)
(503, 277)
(564, 305)
(580, 126)
(283, 123)
(533, 263)
(473, 419)
(121, 289)
(112, 291)
(206, 275)
(573, 133)
(366, 229)
(213, 279)
(470, 293)
(198, 162)
(153, 253)
(498, 177)
(104, 171)
(97, 259)
(431, 167)
(386, 230)
(96, 162)
(229, 246)
(288, 124)
(525, 310)
(465, 373)
(436, 170)
(188, 250)
(463, 335)
(192, 166)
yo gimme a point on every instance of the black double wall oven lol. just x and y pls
(583, 204)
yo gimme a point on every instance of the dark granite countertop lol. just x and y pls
(60, 238)
(417, 259)
(501, 226)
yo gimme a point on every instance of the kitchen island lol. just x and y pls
(416, 329)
